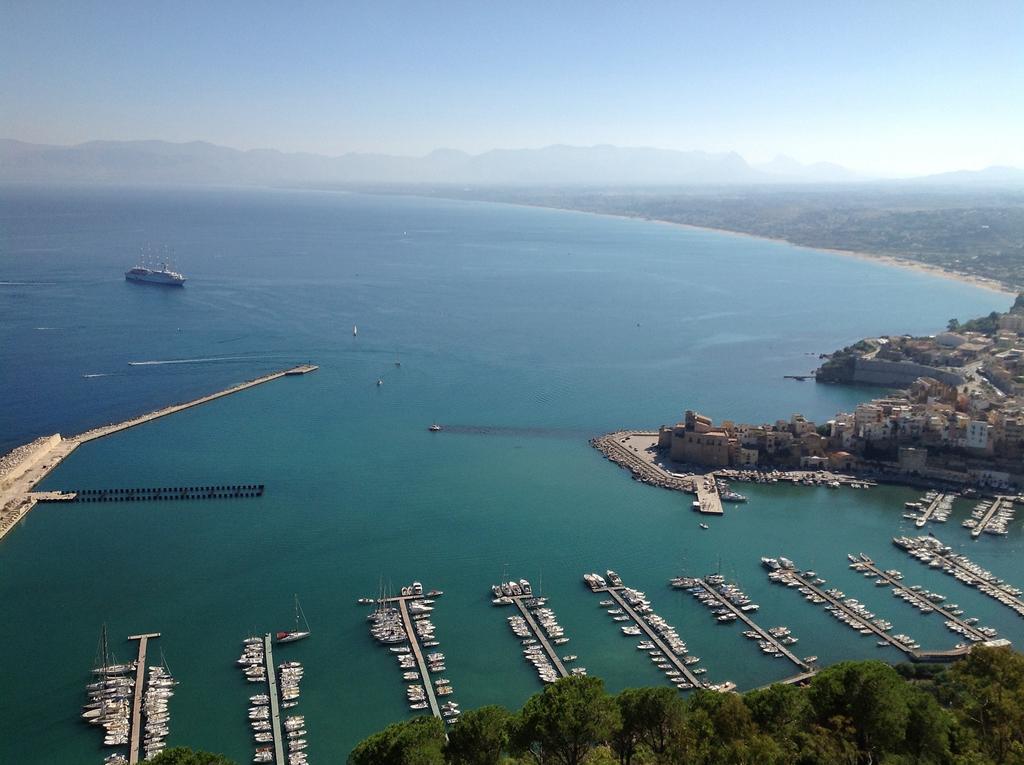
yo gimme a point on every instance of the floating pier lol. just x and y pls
(804, 667)
(219, 491)
(919, 599)
(417, 651)
(615, 591)
(275, 707)
(140, 682)
(929, 549)
(914, 654)
(538, 633)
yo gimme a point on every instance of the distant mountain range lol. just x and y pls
(200, 163)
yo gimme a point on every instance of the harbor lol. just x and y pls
(26, 466)
(664, 646)
(924, 601)
(716, 594)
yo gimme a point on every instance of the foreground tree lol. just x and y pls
(480, 738)
(565, 722)
(182, 755)
(419, 741)
(986, 693)
(648, 718)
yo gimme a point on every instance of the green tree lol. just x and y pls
(953, 325)
(480, 738)
(782, 710)
(565, 722)
(986, 693)
(649, 717)
(182, 755)
(419, 741)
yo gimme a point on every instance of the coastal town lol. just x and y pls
(958, 420)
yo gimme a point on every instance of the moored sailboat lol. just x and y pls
(291, 636)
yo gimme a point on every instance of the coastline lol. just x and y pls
(982, 282)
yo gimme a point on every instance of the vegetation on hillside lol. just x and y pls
(854, 713)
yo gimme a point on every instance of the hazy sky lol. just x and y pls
(884, 87)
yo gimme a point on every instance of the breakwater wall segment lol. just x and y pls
(26, 466)
(222, 491)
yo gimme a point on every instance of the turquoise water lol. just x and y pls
(526, 331)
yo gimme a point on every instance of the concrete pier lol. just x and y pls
(414, 644)
(538, 633)
(997, 505)
(930, 510)
(765, 635)
(275, 707)
(653, 636)
(135, 734)
(17, 483)
(867, 564)
(708, 500)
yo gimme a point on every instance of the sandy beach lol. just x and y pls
(912, 265)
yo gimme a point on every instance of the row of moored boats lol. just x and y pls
(935, 554)
(387, 627)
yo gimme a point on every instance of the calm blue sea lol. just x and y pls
(526, 331)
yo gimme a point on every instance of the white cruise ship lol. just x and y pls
(161, 275)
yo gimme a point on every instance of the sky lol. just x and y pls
(886, 88)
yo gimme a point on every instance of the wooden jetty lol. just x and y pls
(275, 708)
(997, 505)
(765, 635)
(44, 455)
(868, 564)
(135, 734)
(539, 634)
(653, 636)
(417, 651)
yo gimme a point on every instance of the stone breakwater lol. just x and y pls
(611, 446)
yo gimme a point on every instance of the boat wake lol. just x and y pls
(204, 360)
(97, 374)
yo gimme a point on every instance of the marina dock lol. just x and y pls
(997, 505)
(914, 654)
(42, 456)
(275, 704)
(803, 666)
(930, 510)
(962, 569)
(417, 651)
(652, 635)
(919, 599)
(538, 633)
(140, 682)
